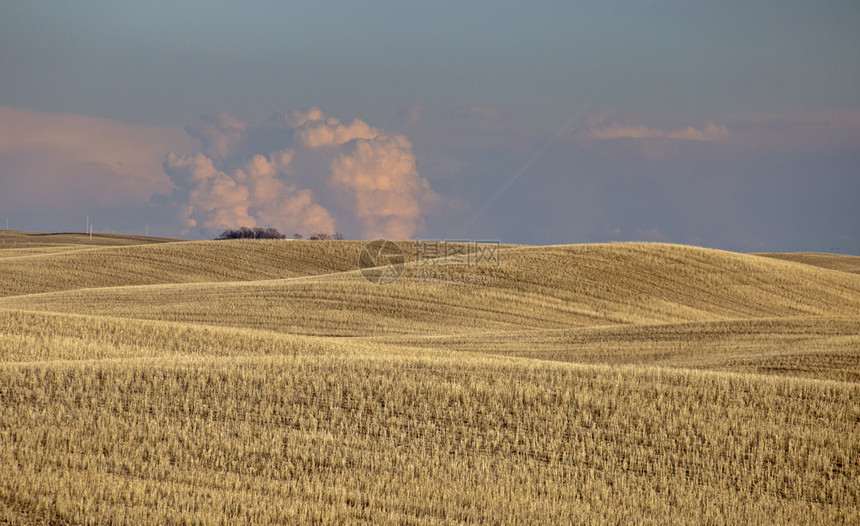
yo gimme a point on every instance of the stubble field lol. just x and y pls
(269, 382)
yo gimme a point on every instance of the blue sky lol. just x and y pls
(731, 124)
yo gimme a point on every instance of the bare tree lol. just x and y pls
(251, 233)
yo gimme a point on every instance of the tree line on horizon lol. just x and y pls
(272, 233)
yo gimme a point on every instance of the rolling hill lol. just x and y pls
(269, 382)
(832, 261)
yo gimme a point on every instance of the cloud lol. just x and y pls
(410, 115)
(220, 133)
(655, 142)
(787, 132)
(379, 176)
(58, 164)
(754, 188)
(275, 201)
(735, 181)
(328, 131)
(322, 175)
(710, 132)
(216, 199)
(248, 196)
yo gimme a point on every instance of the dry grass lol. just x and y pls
(811, 347)
(533, 288)
(32, 269)
(427, 437)
(13, 238)
(188, 262)
(841, 262)
(267, 382)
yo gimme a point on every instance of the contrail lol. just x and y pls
(525, 167)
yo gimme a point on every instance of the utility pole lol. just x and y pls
(88, 225)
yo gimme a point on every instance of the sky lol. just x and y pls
(732, 125)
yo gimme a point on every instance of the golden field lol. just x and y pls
(267, 382)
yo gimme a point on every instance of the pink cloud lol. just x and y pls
(709, 132)
(814, 129)
(380, 179)
(322, 174)
(663, 135)
(248, 196)
(56, 159)
(317, 130)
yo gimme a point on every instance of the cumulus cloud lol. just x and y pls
(216, 199)
(301, 171)
(328, 131)
(247, 196)
(220, 133)
(388, 195)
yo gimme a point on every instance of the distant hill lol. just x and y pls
(841, 262)
(12, 237)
